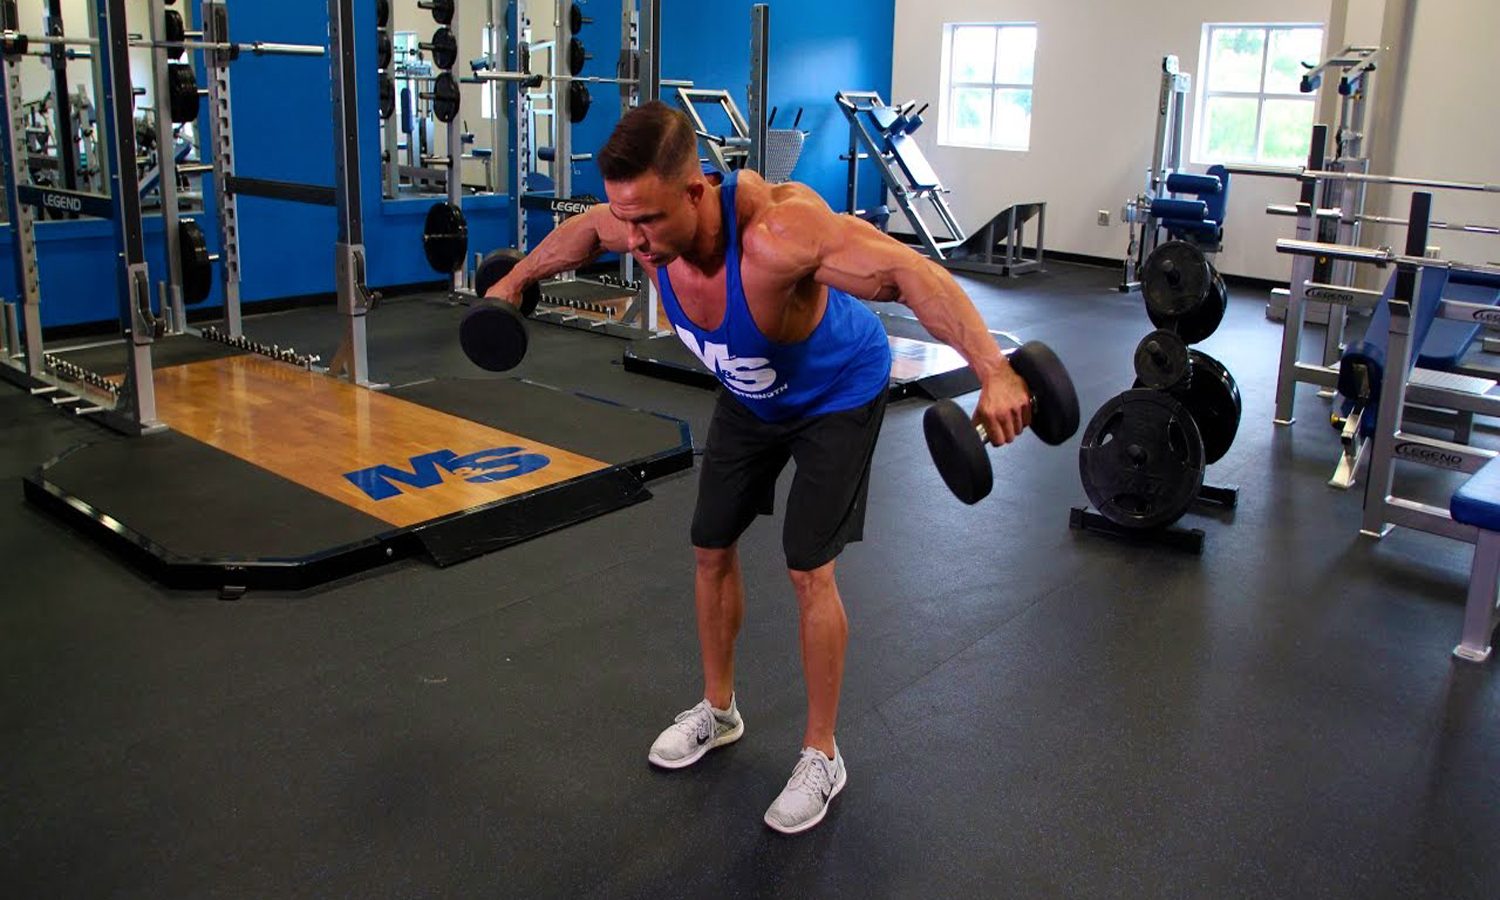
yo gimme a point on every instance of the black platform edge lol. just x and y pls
(942, 386)
(224, 575)
(666, 370)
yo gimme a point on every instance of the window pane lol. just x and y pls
(1013, 119)
(1286, 131)
(1289, 49)
(971, 116)
(1234, 58)
(1229, 127)
(1017, 56)
(973, 54)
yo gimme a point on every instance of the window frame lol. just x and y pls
(947, 85)
(1200, 154)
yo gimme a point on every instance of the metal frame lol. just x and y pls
(1166, 159)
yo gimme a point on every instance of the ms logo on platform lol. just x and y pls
(495, 464)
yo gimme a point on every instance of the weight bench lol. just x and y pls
(1477, 503)
(1437, 381)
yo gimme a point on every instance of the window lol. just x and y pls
(1251, 108)
(986, 92)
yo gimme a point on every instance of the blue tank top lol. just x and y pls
(843, 364)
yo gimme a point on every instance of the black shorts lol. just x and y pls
(826, 507)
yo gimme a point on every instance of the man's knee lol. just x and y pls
(814, 583)
(715, 560)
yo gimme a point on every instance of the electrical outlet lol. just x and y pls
(1103, 217)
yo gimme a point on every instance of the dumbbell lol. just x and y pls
(493, 332)
(958, 445)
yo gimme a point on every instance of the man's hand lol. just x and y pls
(1004, 406)
(508, 289)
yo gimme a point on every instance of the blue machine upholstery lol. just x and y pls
(1477, 502)
(1442, 342)
(1197, 185)
(1200, 221)
(1218, 201)
(1172, 208)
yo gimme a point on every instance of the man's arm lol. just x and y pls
(855, 257)
(578, 241)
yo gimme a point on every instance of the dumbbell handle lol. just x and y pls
(984, 434)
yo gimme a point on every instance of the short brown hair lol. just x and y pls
(651, 138)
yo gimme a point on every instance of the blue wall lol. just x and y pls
(283, 130)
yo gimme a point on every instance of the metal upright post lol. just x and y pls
(521, 123)
(23, 218)
(215, 15)
(166, 162)
(1400, 354)
(455, 157)
(138, 395)
(650, 75)
(349, 262)
(760, 53)
(62, 101)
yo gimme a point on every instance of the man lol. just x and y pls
(759, 280)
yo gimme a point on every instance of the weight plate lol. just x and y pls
(197, 268)
(579, 101)
(382, 13)
(1161, 360)
(445, 98)
(576, 19)
(577, 56)
(175, 33)
(1212, 398)
(386, 49)
(956, 450)
(387, 96)
(1142, 460)
(1175, 281)
(445, 238)
(1201, 323)
(444, 49)
(185, 101)
(442, 11)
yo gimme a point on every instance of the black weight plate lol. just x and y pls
(576, 18)
(382, 13)
(445, 99)
(444, 48)
(577, 56)
(442, 11)
(175, 33)
(445, 238)
(957, 451)
(1175, 281)
(493, 336)
(386, 49)
(1161, 360)
(495, 266)
(579, 101)
(197, 268)
(1141, 460)
(387, 96)
(185, 101)
(1201, 323)
(1055, 413)
(1212, 398)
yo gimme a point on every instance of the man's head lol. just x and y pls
(653, 181)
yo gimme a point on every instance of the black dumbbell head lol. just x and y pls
(957, 451)
(493, 336)
(495, 266)
(1055, 415)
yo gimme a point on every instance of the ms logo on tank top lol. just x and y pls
(749, 375)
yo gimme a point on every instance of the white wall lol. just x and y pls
(1449, 125)
(1094, 113)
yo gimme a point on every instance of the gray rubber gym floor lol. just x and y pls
(1027, 711)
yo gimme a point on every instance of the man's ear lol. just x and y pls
(696, 189)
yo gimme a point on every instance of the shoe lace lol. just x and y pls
(692, 721)
(811, 774)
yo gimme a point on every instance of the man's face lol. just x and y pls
(662, 214)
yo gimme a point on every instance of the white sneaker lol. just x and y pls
(695, 732)
(804, 801)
